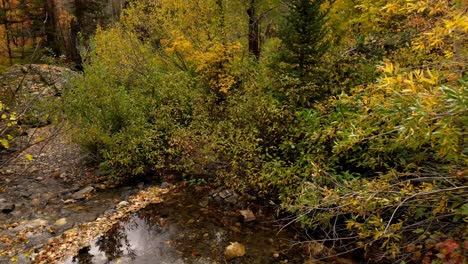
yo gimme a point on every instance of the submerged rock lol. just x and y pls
(248, 215)
(83, 193)
(234, 250)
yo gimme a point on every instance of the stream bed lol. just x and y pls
(180, 230)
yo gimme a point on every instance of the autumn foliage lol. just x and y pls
(366, 146)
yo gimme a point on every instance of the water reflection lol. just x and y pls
(179, 231)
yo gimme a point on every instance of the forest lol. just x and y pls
(349, 116)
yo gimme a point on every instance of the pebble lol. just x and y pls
(123, 204)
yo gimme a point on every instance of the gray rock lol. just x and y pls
(83, 193)
(225, 193)
(7, 208)
(231, 199)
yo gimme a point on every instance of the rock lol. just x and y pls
(7, 208)
(232, 199)
(248, 215)
(225, 193)
(204, 202)
(26, 195)
(69, 201)
(123, 204)
(234, 250)
(83, 193)
(61, 222)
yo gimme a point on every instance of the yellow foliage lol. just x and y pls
(215, 65)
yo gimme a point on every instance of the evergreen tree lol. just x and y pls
(303, 35)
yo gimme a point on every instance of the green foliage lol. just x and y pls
(303, 37)
(132, 108)
(365, 140)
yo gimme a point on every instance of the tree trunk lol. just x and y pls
(254, 36)
(50, 27)
(7, 33)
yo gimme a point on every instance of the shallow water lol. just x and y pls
(181, 231)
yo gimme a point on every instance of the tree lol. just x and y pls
(304, 37)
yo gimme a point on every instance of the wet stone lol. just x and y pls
(83, 193)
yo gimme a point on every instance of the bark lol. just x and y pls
(7, 35)
(50, 26)
(254, 36)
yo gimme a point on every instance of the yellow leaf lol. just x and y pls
(4, 143)
(29, 157)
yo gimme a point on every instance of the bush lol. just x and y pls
(124, 110)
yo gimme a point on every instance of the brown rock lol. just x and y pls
(248, 215)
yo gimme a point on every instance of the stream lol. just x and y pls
(181, 230)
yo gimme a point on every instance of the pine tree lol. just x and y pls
(304, 37)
